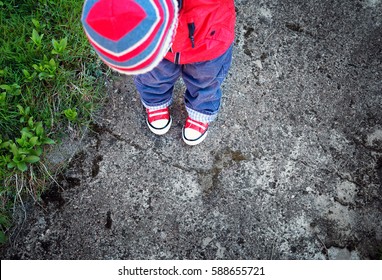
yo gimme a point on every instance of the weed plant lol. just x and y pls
(49, 79)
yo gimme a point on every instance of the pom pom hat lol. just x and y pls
(131, 36)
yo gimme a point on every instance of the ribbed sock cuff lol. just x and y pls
(157, 107)
(200, 117)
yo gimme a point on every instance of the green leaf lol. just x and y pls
(32, 159)
(3, 97)
(36, 67)
(22, 166)
(39, 129)
(16, 89)
(21, 109)
(26, 73)
(30, 122)
(71, 114)
(28, 76)
(21, 141)
(44, 75)
(4, 144)
(14, 149)
(19, 157)
(11, 165)
(55, 44)
(36, 23)
(52, 63)
(48, 141)
(26, 132)
(22, 153)
(36, 38)
(33, 141)
(59, 47)
(6, 87)
(64, 43)
(37, 152)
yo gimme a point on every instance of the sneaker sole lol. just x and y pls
(196, 141)
(160, 131)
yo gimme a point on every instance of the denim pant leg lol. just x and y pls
(203, 81)
(155, 87)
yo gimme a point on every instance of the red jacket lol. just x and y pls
(206, 29)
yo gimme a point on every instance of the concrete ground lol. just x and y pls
(291, 169)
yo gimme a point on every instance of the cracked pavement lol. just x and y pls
(291, 169)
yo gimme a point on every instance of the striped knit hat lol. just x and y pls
(131, 36)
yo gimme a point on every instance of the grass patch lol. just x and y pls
(49, 78)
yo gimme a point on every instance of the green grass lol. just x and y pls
(49, 78)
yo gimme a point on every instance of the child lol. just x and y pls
(160, 41)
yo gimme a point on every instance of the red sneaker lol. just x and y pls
(159, 121)
(194, 132)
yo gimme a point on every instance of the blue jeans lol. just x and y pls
(203, 85)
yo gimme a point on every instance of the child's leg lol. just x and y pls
(155, 89)
(203, 81)
(156, 86)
